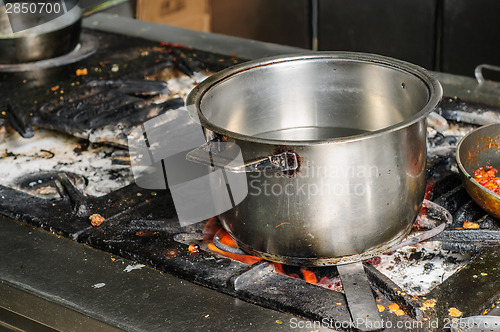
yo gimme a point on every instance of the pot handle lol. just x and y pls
(478, 72)
(228, 156)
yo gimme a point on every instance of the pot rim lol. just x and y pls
(194, 98)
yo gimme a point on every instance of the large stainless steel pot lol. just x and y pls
(343, 140)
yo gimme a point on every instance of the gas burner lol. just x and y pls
(88, 45)
(417, 264)
(430, 222)
(48, 184)
(326, 276)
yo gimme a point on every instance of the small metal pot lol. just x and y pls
(48, 40)
(334, 146)
(477, 149)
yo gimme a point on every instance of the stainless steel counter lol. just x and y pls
(66, 286)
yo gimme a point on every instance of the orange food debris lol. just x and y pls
(470, 225)
(338, 303)
(283, 223)
(113, 259)
(394, 308)
(193, 248)
(82, 72)
(145, 233)
(380, 307)
(454, 312)
(54, 88)
(428, 304)
(96, 219)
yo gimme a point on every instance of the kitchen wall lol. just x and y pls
(403, 29)
(445, 35)
(471, 35)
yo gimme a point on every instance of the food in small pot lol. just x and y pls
(479, 149)
(485, 176)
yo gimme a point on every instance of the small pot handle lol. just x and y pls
(478, 72)
(224, 155)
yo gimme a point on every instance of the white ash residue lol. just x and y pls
(50, 151)
(417, 269)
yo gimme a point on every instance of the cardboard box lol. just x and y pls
(189, 14)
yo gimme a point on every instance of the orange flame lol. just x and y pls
(212, 226)
(226, 239)
(278, 268)
(247, 259)
(309, 276)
